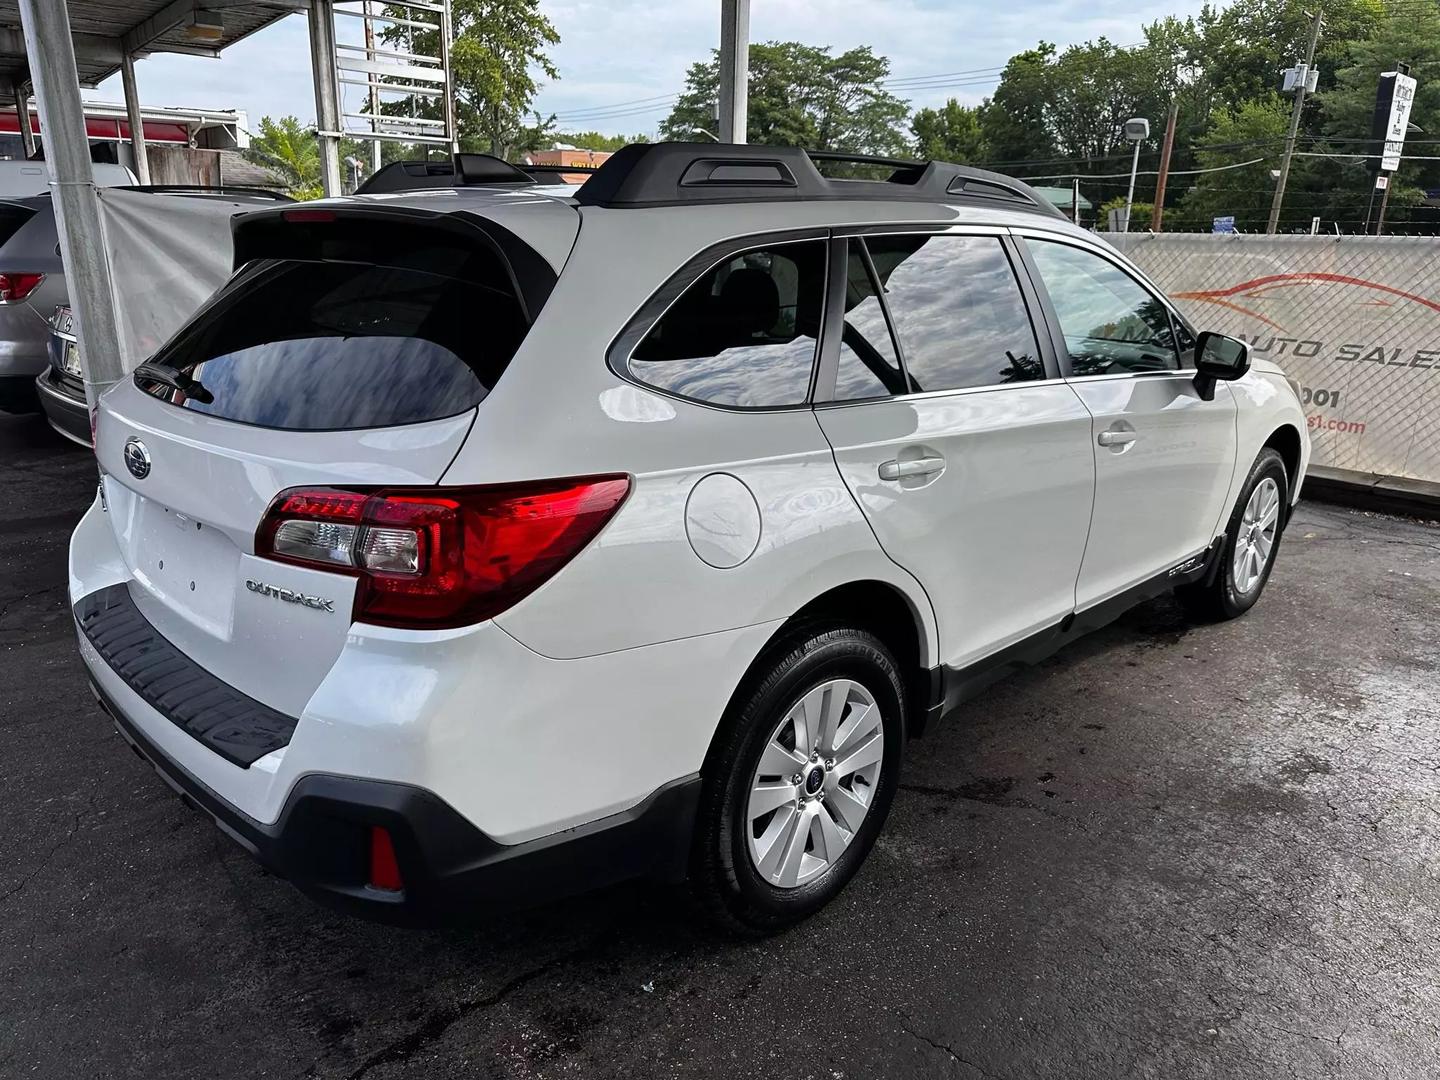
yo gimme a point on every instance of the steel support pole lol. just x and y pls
(374, 93)
(327, 92)
(1300, 92)
(22, 116)
(734, 69)
(452, 127)
(132, 112)
(51, 52)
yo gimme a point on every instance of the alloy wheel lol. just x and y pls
(1256, 538)
(815, 783)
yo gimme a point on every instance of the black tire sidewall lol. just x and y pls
(817, 658)
(1234, 602)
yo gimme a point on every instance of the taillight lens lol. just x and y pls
(440, 557)
(18, 286)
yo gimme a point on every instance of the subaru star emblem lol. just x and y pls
(137, 458)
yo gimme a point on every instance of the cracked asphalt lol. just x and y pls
(1172, 851)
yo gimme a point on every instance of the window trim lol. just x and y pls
(835, 310)
(1022, 237)
(622, 347)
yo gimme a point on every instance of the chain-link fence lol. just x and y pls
(1354, 320)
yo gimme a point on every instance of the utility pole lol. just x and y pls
(1075, 200)
(1157, 219)
(1300, 91)
(374, 91)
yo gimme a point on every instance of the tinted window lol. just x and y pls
(957, 309)
(320, 345)
(868, 366)
(1111, 324)
(744, 333)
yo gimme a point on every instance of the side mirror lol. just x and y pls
(1218, 357)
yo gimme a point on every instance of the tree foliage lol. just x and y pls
(800, 95)
(291, 152)
(950, 133)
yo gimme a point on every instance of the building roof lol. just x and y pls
(105, 30)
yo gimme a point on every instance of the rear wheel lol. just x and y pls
(1251, 541)
(799, 781)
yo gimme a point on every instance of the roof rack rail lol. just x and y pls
(460, 171)
(677, 173)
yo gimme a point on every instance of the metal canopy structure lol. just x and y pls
(106, 31)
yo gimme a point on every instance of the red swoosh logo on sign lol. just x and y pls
(1217, 296)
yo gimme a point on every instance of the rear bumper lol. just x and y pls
(67, 413)
(449, 868)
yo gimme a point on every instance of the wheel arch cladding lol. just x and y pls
(1285, 440)
(873, 606)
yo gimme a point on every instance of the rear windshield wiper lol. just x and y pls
(175, 380)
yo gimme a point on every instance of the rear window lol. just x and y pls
(323, 345)
(11, 218)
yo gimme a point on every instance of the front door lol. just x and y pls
(969, 457)
(1163, 455)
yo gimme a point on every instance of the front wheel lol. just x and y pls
(1251, 542)
(799, 781)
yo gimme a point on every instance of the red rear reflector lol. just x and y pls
(384, 867)
(307, 215)
(18, 286)
(430, 558)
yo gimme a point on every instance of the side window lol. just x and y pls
(1111, 324)
(869, 366)
(958, 311)
(744, 333)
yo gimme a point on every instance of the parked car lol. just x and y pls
(31, 279)
(62, 384)
(456, 553)
(20, 179)
(32, 283)
(58, 386)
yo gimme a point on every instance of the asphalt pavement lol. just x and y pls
(1173, 851)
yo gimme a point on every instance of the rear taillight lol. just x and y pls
(15, 287)
(440, 557)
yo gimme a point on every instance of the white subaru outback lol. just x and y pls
(494, 539)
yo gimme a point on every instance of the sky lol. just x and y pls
(623, 51)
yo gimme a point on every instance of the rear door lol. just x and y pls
(968, 454)
(345, 355)
(1163, 455)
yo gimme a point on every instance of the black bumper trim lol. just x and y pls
(320, 842)
(226, 720)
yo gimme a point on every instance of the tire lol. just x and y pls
(825, 675)
(1237, 585)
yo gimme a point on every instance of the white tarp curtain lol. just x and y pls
(167, 255)
(1354, 320)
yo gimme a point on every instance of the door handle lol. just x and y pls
(1116, 438)
(899, 470)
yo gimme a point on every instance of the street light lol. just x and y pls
(1137, 130)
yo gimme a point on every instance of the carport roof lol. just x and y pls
(105, 30)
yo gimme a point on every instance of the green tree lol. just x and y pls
(950, 133)
(292, 152)
(1243, 133)
(1014, 119)
(1410, 36)
(497, 56)
(800, 95)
